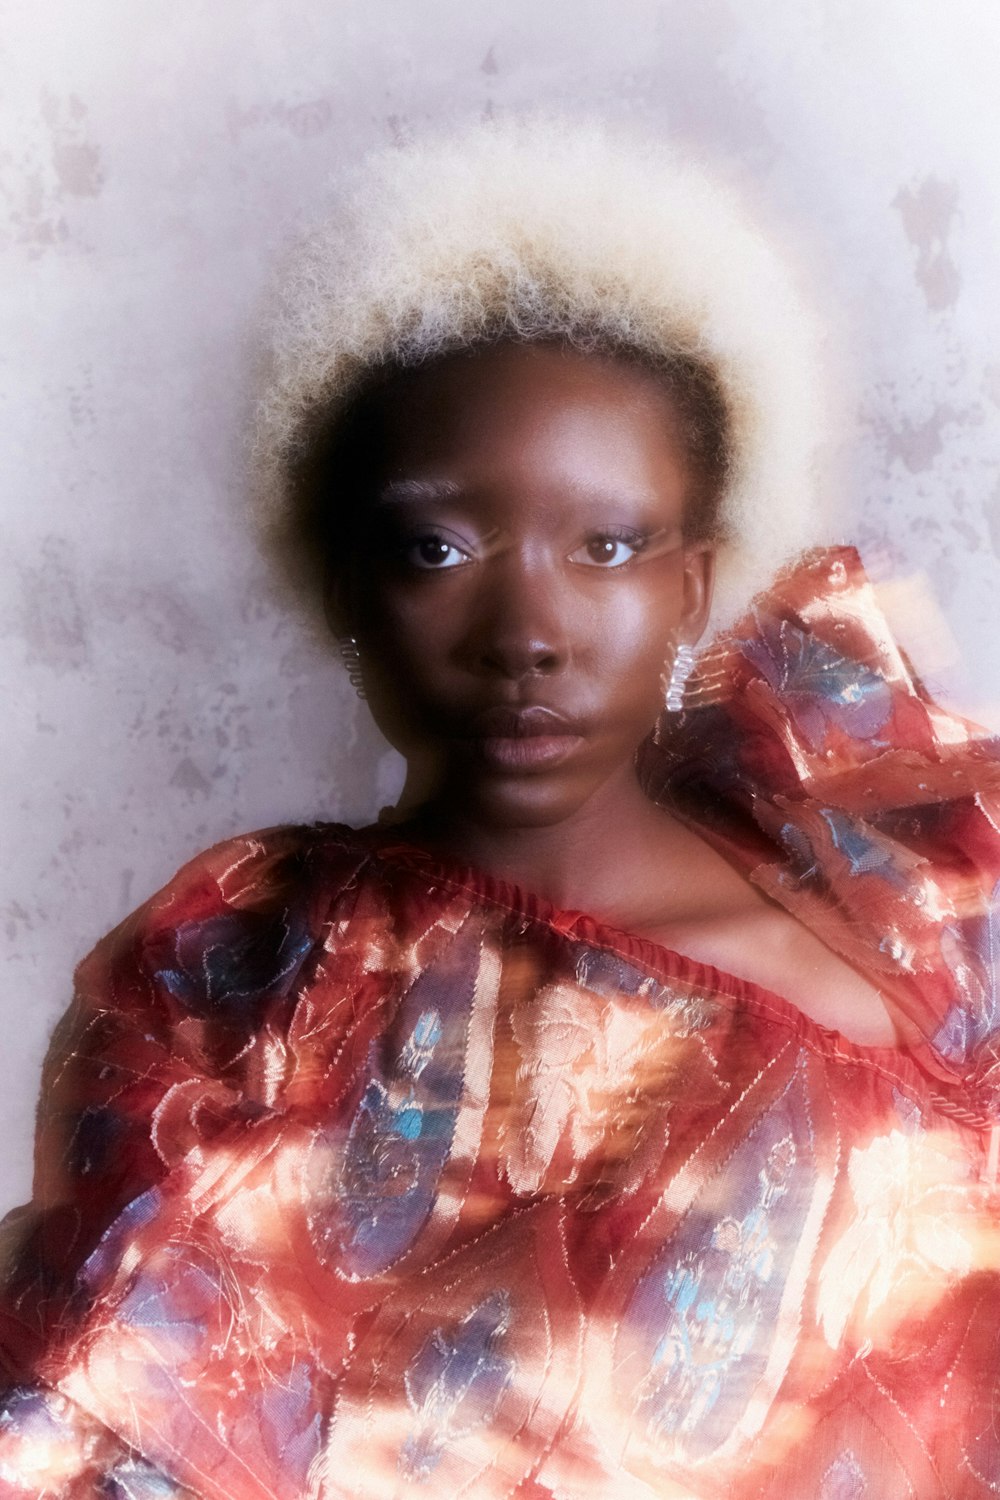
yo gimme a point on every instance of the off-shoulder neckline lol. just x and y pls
(656, 958)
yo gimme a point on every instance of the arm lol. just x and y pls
(175, 1034)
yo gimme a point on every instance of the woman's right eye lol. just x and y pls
(435, 553)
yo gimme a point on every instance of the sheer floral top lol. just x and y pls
(363, 1176)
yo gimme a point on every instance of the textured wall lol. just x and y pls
(154, 157)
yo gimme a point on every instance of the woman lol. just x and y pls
(618, 1117)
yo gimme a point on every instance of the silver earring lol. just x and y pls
(675, 685)
(352, 661)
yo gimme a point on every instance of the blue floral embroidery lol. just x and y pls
(799, 848)
(401, 1133)
(820, 687)
(606, 973)
(419, 1049)
(172, 1300)
(703, 1317)
(292, 1423)
(908, 1113)
(41, 1418)
(971, 949)
(455, 1382)
(99, 1266)
(229, 966)
(714, 1320)
(38, 1415)
(864, 852)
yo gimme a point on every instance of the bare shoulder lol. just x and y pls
(718, 917)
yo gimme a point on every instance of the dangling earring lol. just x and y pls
(675, 685)
(352, 661)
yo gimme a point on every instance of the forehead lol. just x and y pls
(519, 374)
(529, 407)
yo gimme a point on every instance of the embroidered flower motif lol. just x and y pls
(591, 1085)
(821, 688)
(291, 1423)
(865, 851)
(374, 1188)
(228, 966)
(905, 1242)
(715, 1304)
(455, 1383)
(393, 1144)
(823, 844)
(134, 1479)
(971, 949)
(38, 1442)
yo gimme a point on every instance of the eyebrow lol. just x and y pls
(401, 491)
(412, 491)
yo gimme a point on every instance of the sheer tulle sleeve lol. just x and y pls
(821, 765)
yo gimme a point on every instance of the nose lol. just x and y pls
(521, 627)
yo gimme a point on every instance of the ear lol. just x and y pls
(699, 585)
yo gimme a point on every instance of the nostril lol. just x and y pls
(518, 627)
(513, 658)
(546, 661)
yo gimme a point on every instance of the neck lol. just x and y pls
(596, 859)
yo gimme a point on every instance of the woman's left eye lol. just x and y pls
(608, 549)
(435, 553)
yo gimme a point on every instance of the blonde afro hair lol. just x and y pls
(545, 229)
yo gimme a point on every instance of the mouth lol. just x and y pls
(523, 739)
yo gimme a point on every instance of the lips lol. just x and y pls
(520, 723)
(531, 738)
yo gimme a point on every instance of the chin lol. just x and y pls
(522, 802)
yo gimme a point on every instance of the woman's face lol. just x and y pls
(520, 576)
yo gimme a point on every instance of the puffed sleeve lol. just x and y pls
(816, 759)
(176, 1030)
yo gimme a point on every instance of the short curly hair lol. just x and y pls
(545, 229)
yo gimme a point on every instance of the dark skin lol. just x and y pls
(521, 574)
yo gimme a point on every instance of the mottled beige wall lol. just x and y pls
(152, 158)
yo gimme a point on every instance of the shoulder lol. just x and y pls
(176, 1023)
(289, 861)
(238, 918)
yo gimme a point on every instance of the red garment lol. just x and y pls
(362, 1176)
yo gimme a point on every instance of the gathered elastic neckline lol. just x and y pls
(918, 1057)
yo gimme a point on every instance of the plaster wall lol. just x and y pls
(155, 158)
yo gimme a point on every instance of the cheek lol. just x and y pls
(616, 632)
(635, 629)
(409, 632)
(390, 615)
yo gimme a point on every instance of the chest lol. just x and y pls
(771, 949)
(540, 1215)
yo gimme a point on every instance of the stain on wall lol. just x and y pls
(927, 211)
(53, 625)
(56, 162)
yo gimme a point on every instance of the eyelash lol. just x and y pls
(636, 540)
(409, 548)
(619, 535)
